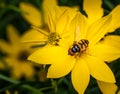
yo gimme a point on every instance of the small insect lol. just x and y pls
(78, 46)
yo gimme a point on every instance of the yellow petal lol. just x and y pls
(7, 92)
(35, 36)
(93, 9)
(61, 68)
(99, 70)
(98, 29)
(52, 14)
(78, 22)
(80, 76)
(49, 55)
(66, 17)
(112, 40)
(50, 6)
(16, 92)
(66, 7)
(60, 26)
(105, 52)
(23, 66)
(67, 40)
(107, 88)
(2, 65)
(119, 92)
(13, 35)
(31, 14)
(49, 3)
(71, 11)
(115, 19)
(5, 47)
(51, 22)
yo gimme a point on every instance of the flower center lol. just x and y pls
(54, 38)
(78, 48)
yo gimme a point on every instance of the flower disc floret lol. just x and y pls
(54, 38)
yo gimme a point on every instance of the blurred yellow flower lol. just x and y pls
(91, 61)
(7, 92)
(2, 65)
(31, 14)
(119, 91)
(16, 54)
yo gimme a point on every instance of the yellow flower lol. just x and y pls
(91, 60)
(55, 31)
(47, 32)
(16, 54)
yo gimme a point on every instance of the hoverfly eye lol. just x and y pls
(77, 48)
(73, 50)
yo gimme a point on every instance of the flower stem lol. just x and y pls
(54, 84)
(45, 88)
(60, 80)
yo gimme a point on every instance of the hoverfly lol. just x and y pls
(78, 46)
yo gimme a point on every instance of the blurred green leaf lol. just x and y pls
(34, 90)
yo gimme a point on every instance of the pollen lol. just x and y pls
(54, 38)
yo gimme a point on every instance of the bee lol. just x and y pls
(78, 46)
